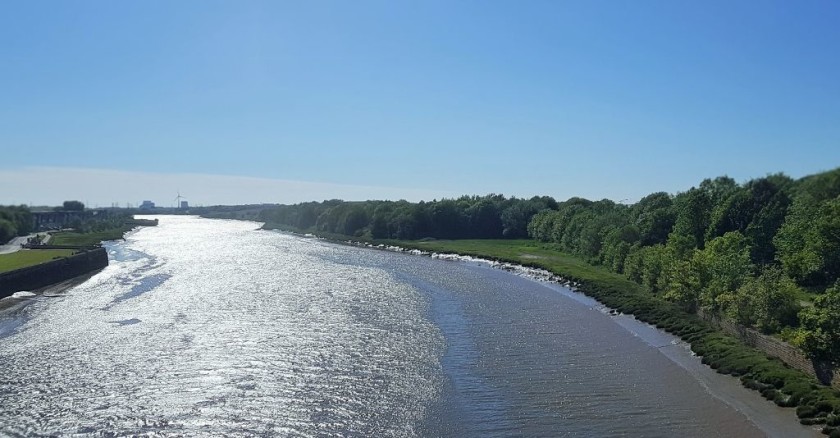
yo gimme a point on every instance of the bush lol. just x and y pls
(824, 406)
(806, 412)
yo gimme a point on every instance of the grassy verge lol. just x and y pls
(24, 258)
(88, 239)
(787, 387)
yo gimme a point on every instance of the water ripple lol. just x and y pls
(209, 328)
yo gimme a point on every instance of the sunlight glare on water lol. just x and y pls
(208, 327)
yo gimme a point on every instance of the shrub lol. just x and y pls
(806, 412)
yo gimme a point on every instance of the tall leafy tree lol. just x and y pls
(721, 268)
(693, 209)
(654, 217)
(73, 206)
(768, 302)
(820, 325)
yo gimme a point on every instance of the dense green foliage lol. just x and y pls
(117, 223)
(487, 217)
(742, 251)
(72, 206)
(14, 221)
(821, 324)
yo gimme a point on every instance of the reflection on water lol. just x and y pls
(204, 327)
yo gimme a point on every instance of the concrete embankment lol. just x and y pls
(45, 274)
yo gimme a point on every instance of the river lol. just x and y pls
(209, 327)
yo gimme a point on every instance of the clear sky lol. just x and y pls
(359, 99)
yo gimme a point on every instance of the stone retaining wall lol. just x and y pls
(793, 356)
(45, 274)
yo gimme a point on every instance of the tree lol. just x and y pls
(634, 264)
(764, 226)
(654, 217)
(653, 260)
(571, 240)
(757, 210)
(692, 209)
(73, 206)
(827, 239)
(616, 245)
(353, 221)
(721, 268)
(447, 219)
(484, 220)
(718, 189)
(792, 241)
(767, 302)
(684, 284)
(733, 214)
(517, 216)
(820, 326)
(7, 230)
(809, 241)
(541, 225)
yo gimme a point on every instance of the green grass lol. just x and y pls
(30, 257)
(87, 239)
(524, 252)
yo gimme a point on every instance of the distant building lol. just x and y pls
(185, 205)
(56, 220)
(147, 205)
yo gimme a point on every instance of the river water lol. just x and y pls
(207, 327)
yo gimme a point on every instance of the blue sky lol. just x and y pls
(412, 99)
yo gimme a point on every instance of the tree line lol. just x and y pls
(765, 253)
(14, 221)
(468, 217)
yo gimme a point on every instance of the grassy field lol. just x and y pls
(24, 258)
(525, 252)
(87, 239)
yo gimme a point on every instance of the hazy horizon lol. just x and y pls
(36, 186)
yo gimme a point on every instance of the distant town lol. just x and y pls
(149, 205)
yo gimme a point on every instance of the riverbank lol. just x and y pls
(43, 274)
(814, 403)
(13, 304)
(69, 255)
(73, 238)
